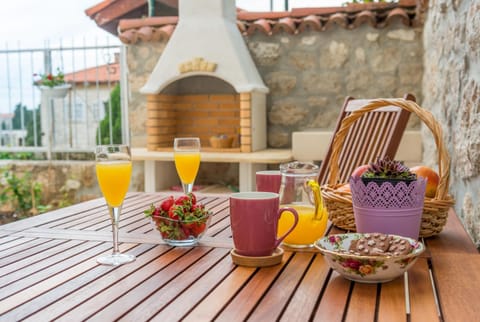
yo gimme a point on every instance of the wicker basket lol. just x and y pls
(221, 142)
(435, 211)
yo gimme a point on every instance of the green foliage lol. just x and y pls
(22, 192)
(17, 156)
(50, 79)
(103, 132)
(28, 116)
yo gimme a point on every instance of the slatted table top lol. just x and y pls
(48, 271)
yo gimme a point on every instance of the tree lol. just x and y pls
(27, 123)
(103, 132)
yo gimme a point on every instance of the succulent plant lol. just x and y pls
(388, 169)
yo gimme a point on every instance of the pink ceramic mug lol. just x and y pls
(254, 220)
(268, 180)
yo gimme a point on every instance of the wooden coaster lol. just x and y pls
(257, 261)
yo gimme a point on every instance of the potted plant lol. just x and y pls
(388, 198)
(387, 170)
(52, 85)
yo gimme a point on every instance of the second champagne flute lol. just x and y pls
(187, 160)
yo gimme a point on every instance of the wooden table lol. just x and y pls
(48, 271)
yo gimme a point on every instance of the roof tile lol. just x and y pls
(310, 22)
(376, 15)
(286, 24)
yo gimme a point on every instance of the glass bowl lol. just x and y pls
(181, 232)
(376, 268)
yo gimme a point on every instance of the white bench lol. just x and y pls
(160, 170)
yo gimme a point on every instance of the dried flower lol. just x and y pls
(50, 80)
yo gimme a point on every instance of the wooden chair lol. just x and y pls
(375, 134)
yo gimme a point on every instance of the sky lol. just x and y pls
(32, 22)
(28, 24)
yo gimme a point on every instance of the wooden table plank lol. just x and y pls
(29, 253)
(51, 282)
(207, 309)
(14, 244)
(392, 306)
(452, 239)
(278, 295)
(246, 299)
(42, 265)
(118, 300)
(107, 280)
(9, 241)
(182, 304)
(180, 277)
(305, 298)
(422, 307)
(362, 302)
(333, 303)
(457, 277)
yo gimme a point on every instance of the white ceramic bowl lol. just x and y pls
(364, 268)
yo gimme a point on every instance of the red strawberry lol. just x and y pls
(175, 212)
(183, 201)
(167, 203)
(197, 228)
(186, 232)
(193, 198)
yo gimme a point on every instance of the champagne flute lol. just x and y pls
(113, 164)
(187, 160)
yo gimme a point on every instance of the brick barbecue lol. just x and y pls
(206, 83)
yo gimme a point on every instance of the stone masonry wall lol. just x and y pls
(451, 89)
(309, 74)
(64, 181)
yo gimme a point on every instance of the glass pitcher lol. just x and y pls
(299, 189)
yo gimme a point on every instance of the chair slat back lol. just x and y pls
(375, 134)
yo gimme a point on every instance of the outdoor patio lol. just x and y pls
(275, 83)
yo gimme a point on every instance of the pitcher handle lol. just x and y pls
(295, 215)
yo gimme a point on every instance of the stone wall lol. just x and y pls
(309, 74)
(451, 90)
(64, 181)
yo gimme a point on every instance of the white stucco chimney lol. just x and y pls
(206, 41)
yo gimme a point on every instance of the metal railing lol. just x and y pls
(31, 121)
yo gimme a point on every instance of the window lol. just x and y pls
(78, 113)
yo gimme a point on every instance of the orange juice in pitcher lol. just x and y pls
(300, 190)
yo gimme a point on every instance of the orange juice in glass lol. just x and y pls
(114, 178)
(187, 165)
(187, 160)
(309, 228)
(113, 165)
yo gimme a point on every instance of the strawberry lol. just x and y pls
(176, 212)
(183, 201)
(152, 211)
(197, 228)
(193, 198)
(167, 203)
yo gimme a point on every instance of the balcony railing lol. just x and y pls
(31, 121)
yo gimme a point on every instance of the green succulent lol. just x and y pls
(388, 169)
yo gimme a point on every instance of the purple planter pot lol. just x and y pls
(387, 208)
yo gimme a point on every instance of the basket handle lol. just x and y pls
(424, 115)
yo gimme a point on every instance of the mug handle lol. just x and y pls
(295, 215)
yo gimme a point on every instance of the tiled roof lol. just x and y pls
(377, 15)
(104, 74)
(6, 116)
